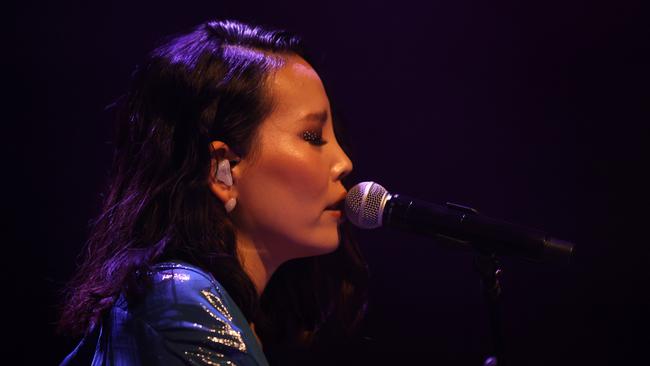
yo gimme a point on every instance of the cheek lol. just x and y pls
(289, 181)
(302, 176)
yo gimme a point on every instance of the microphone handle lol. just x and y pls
(466, 225)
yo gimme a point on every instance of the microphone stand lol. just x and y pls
(369, 206)
(489, 269)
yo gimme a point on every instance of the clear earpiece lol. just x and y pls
(223, 172)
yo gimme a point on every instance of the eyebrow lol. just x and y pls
(316, 116)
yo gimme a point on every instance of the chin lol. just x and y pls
(331, 242)
(331, 247)
(320, 248)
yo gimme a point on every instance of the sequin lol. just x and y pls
(172, 265)
(182, 277)
(227, 336)
(208, 357)
(217, 303)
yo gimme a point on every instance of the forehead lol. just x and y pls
(296, 89)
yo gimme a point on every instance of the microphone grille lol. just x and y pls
(364, 204)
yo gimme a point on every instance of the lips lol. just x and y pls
(337, 211)
(338, 208)
(338, 205)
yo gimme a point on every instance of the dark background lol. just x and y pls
(535, 112)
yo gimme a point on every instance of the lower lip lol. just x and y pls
(336, 213)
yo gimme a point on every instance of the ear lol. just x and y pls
(219, 151)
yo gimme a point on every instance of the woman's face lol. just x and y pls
(283, 194)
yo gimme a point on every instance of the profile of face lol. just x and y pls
(285, 192)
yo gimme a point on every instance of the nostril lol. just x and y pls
(344, 174)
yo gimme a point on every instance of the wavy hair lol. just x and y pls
(204, 85)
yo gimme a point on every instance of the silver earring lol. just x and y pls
(230, 205)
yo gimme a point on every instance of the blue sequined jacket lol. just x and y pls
(186, 318)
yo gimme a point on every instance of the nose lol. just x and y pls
(342, 164)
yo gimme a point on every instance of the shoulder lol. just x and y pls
(182, 286)
(182, 282)
(186, 317)
(178, 284)
(187, 306)
(183, 274)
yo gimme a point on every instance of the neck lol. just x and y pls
(256, 259)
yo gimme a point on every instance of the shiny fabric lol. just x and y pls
(187, 318)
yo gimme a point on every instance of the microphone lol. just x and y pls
(368, 205)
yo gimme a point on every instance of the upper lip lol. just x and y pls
(338, 205)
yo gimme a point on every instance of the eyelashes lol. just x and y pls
(314, 138)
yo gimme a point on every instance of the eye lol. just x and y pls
(314, 138)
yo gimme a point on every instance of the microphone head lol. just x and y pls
(364, 205)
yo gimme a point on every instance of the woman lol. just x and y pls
(221, 231)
